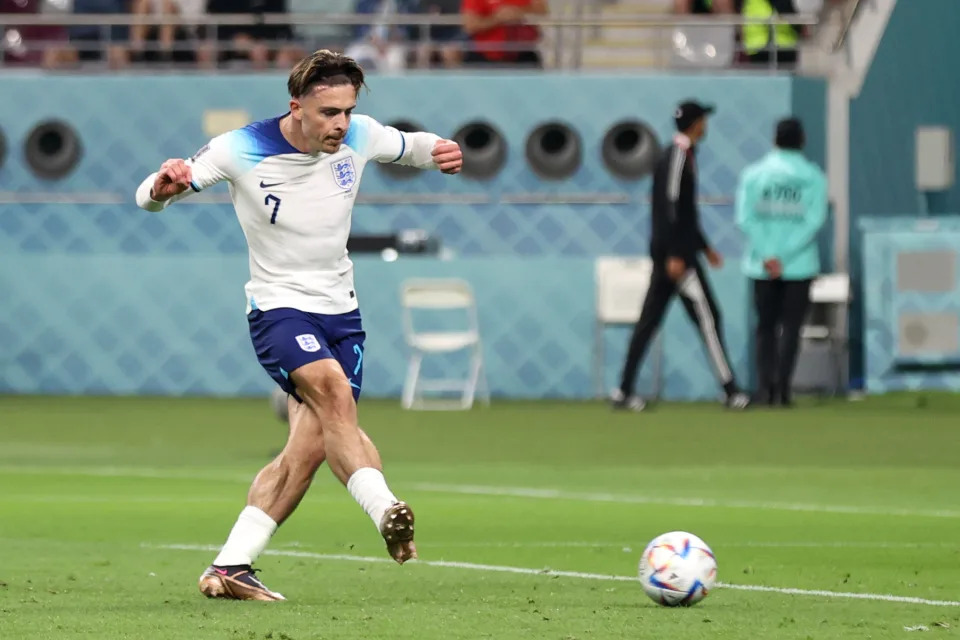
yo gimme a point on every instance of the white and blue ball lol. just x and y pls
(677, 569)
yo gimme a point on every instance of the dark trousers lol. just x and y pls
(781, 309)
(783, 57)
(523, 59)
(699, 302)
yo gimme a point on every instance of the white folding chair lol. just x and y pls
(621, 285)
(442, 294)
(826, 320)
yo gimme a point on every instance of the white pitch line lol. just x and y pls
(551, 573)
(556, 494)
(628, 546)
(493, 491)
(150, 473)
(842, 545)
(572, 544)
(65, 499)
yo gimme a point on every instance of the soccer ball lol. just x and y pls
(677, 569)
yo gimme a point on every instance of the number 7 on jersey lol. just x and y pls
(276, 206)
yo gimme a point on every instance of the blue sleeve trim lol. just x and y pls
(193, 185)
(403, 146)
(358, 134)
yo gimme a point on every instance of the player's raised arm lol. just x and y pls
(178, 178)
(414, 149)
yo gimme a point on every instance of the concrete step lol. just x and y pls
(626, 45)
(633, 47)
(615, 11)
(622, 34)
(604, 58)
(641, 6)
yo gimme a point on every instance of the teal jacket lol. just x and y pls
(781, 205)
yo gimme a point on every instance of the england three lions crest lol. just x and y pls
(344, 173)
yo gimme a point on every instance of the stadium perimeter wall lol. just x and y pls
(911, 83)
(103, 298)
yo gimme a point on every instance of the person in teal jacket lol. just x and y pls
(781, 206)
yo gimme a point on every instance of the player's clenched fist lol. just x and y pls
(447, 156)
(174, 177)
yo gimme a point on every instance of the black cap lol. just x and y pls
(689, 112)
(789, 134)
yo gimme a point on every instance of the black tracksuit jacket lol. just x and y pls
(675, 219)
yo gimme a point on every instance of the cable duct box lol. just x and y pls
(935, 164)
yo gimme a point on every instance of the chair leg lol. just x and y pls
(837, 357)
(599, 357)
(484, 386)
(410, 384)
(470, 389)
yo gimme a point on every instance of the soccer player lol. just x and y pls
(781, 207)
(293, 180)
(676, 242)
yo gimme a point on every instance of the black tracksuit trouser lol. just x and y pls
(699, 302)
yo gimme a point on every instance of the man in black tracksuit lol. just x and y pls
(676, 241)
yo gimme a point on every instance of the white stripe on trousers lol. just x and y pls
(692, 289)
(676, 174)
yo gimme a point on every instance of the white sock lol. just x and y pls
(369, 488)
(247, 539)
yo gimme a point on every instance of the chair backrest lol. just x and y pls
(440, 293)
(444, 295)
(830, 288)
(622, 284)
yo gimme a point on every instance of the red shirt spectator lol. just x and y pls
(22, 44)
(501, 21)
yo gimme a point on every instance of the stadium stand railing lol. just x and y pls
(27, 39)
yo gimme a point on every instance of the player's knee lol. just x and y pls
(328, 389)
(335, 388)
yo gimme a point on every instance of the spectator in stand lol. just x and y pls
(379, 46)
(756, 38)
(326, 34)
(703, 6)
(490, 23)
(259, 44)
(167, 36)
(88, 40)
(445, 46)
(21, 45)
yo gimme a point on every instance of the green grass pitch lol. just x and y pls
(108, 509)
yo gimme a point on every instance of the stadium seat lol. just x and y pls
(621, 286)
(438, 296)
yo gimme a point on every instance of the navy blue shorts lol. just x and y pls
(287, 339)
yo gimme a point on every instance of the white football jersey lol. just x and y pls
(295, 208)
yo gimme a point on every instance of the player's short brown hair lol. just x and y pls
(324, 67)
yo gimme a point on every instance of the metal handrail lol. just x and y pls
(847, 25)
(569, 32)
(353, 19)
